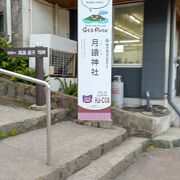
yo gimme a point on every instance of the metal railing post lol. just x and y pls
(48, 112)
(48, 105)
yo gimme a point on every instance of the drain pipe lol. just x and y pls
(56, 19)
(172, 56)
(30, 15)
(9, 21)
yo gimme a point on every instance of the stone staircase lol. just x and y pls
(19, 120)
(113, 163)
(79, 152)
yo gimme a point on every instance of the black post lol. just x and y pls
(39, 88)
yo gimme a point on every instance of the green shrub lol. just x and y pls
(70, 90)
(3, 136)
(13, 132)
(18, 65)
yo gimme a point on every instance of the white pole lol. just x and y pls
(9, 21)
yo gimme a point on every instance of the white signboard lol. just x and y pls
(94, 59)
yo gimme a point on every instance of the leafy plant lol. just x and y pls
(70, 90)
(18, 65)
(13, 132)
(3, 136)
(113, 103)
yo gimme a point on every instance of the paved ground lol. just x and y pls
(14, 111)
(12, 114)
(159, 164)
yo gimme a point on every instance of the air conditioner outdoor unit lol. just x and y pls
(61, 61)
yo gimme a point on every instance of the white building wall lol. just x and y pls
(42, 20)
(26, 22)
(63, 23)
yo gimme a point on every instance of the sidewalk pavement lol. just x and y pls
(159, 164)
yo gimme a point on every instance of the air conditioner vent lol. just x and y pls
(63, 63)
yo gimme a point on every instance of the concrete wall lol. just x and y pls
(16, 10)
(42, 20)
(63, 23)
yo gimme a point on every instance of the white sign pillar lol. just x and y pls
(94, 59)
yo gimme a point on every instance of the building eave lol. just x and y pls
(72, 4)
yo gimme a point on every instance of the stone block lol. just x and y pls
(96, 152)
(3, 88)
(11, 92)
(64, 171)
(72, 167)
(139, 124)
(32, 91)
(30, 99)
(108, 146)
(83, 161)
(105, 124)
(20, 89)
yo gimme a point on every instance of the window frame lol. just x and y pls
(125, 65)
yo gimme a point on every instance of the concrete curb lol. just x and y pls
(167, 140)
(26, 125)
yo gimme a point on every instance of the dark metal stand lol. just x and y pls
(39, 88)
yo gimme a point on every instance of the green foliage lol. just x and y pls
(13, 132)
(18, 65)
(149, 148)
(70, 90)
(113, 103)
(3, 136)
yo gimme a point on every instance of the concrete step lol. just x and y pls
(74, 147)
(17, 120)
(169, 139)
(113, 163)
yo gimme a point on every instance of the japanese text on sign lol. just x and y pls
(27, 52)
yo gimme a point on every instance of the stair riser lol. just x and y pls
(34, 123)
(81, 162)
(122, 165)
(109, 166)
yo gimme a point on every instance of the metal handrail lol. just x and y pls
(48, 105)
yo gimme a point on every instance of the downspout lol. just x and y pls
(172, 56)
(56, 19)
(30, 15)
(9, 21)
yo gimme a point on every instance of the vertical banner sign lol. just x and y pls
(94, 59)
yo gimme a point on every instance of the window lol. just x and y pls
(128, 34)
(1, 24)
(62, 64)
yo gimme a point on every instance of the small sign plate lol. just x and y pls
(27, 52)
